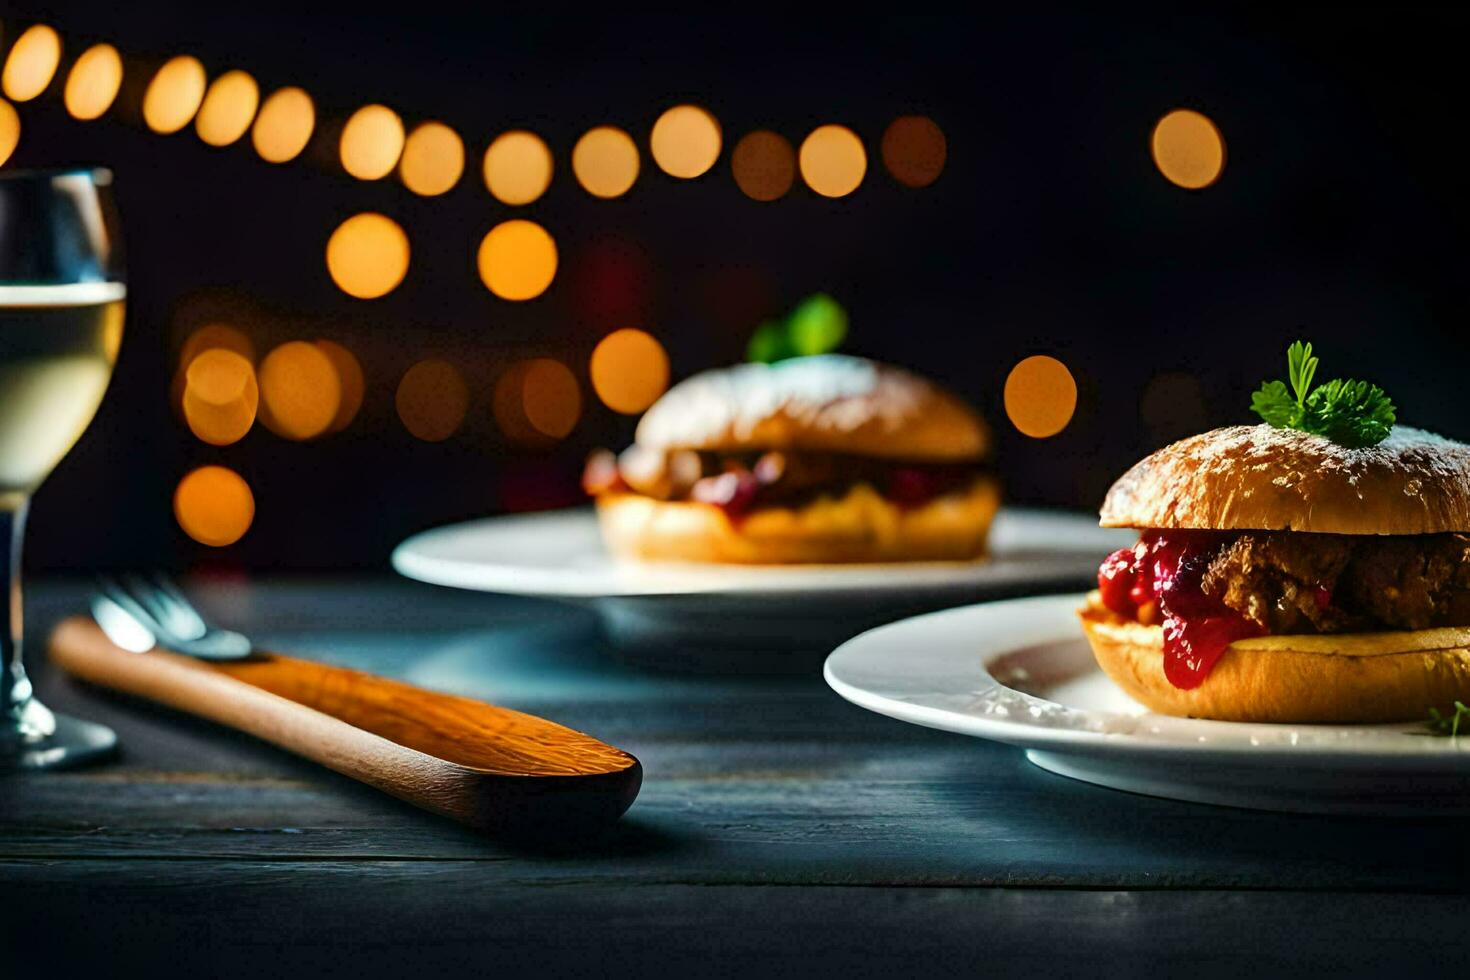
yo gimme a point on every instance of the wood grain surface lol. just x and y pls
(781, 831)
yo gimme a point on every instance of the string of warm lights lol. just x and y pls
(685, 142)
(305, 390)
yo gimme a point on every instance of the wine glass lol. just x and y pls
(61, 317)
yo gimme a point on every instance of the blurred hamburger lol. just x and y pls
(1283, 576)
(817, 459)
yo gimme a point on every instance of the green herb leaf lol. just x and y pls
(1450, 725)
(1349, 412)
(1275, 404)
(818, 325)
(769, 343)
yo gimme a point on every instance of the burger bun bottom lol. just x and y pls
(1327, 678)
(860, 526)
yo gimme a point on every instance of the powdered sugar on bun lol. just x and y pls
(828, 403)
(1258, 477)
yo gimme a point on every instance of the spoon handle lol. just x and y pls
(485, 766)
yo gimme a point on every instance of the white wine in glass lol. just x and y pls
(61, 321)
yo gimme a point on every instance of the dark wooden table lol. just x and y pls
(780, 831)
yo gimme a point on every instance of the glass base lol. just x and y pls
(38, 738)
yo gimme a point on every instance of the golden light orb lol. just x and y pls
(371, 142)
(507, 404)
(605, 161)
(1040, 396)
(228, 108)
(349, 373)
(551, 399)
(367, 256)
(1188, 149)
(300, 391)
(284, 125)
(32, 63)
(914, 150)
(93, 82)
(517, 167)
(685, 141)
(9, 130)
(517, 260)
(833, 161)
(764, 165)
(221, 396)
(213, 335)
(629, 370)
(433, 159)
(214, 506)
(432, 400)
(174, 95)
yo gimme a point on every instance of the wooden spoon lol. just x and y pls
(491, 768)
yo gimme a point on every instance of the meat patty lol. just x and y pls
(1334, 583)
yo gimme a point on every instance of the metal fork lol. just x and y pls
(140, 612)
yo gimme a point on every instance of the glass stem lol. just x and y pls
(15, 687)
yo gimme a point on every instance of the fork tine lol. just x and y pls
(147, 596)
(113, 589)
(174, 622)
(189, 619)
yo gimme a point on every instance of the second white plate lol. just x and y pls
(681, 614)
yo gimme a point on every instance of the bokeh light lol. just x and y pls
(1040, 396)
(367, 256)
(605, 161)
(508, 404)
(174, 95)
(1188, 149)
(685, 141)
(349, 374)
(914, 150)
(300, 391)
(213, 335)
(629, 370)
(764, 165)
(432, 400)
(9, 130)
(228, 108)
(32, 63)
(93, 82)
(214, 506)
(833, 161)
(517, 260)
(536, 401)
(371, 142)
(550, 397)
(284, 125)
(221, 396)
(433, 159)
(517, 167)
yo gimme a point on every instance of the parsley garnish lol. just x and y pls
(1351, 413)
(1439, 724)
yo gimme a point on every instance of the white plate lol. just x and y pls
(689, 610)
(1021, 672)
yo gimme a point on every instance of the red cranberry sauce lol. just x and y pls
(1158, 580)
(733, 491)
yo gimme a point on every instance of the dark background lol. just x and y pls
(1340, 216)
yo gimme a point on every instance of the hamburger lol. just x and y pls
(821, 459)
(1283, 576)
